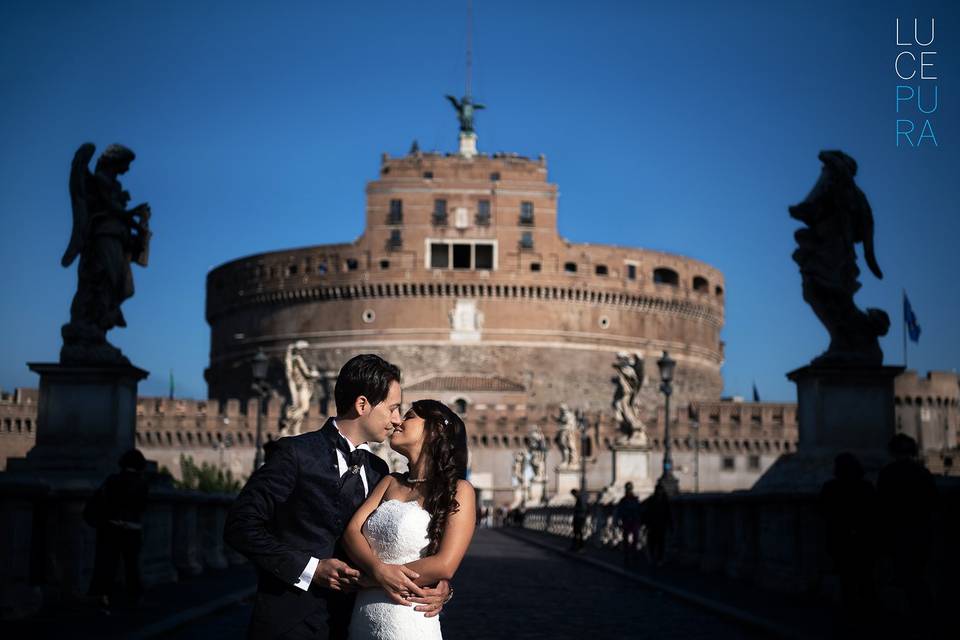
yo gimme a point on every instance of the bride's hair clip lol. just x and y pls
(446, 422)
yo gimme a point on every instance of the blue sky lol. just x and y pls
(685, 126)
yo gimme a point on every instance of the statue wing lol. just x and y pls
(638, 367)
(479, 106)
(79, 176)
(456, 103)
(865, 231)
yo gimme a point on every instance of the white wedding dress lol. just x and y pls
(397, 533)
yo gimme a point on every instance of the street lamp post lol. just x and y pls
(667, 479)
(259, 366)
(695, 427)
(584, 438)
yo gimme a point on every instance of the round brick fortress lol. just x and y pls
(461, 274)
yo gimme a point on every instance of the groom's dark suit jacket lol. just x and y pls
(288, 511)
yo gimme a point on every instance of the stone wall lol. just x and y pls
(928, 410)
(729, 443)
(48, 551)
(774, 541)
(534, 309)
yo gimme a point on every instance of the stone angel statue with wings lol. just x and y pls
(106, 237)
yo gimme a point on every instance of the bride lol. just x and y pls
(414, 528)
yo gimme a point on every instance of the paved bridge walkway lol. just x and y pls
(508, 588)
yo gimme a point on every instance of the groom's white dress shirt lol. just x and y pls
(307, 576)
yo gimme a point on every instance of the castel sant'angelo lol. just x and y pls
(461, 278)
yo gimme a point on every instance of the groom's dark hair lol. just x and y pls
(365, 375)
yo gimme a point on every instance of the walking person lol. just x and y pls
(848, 504)
(628, 517)
(579, 519)
(116, 511)
(657, 519)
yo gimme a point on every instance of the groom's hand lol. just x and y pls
(431, 604)
(335, 574)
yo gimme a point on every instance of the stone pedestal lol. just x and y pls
(537, 495)
(631, 464)
(468, 144)
(567, 479)
(839, 408)
(86, 419)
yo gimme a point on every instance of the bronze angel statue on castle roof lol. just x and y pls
(107, 237)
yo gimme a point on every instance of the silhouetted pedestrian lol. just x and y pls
(908, 496)
(579, 518)
(656, 517)
(849, 507)
(628, 517)
(116, 510)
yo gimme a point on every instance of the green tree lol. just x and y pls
(206, 478)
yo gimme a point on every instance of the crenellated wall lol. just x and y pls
(461, 269)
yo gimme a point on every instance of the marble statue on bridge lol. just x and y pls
(107, 237)
(838, 217)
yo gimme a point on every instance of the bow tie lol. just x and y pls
(354, 458)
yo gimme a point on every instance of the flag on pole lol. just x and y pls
(756, 394)
(171, 384)
(910, 318)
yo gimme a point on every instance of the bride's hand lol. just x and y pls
(398, 581)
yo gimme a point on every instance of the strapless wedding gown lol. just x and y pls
(397, 533)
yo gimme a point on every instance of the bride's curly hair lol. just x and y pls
(445, 446)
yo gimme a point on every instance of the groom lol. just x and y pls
(290, 515)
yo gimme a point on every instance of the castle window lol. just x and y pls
(534, 266)
(396, 239)
(526, 240)
(631, 272)
(495, 176)
(352, 264)
(384, 264)
(439, 212)
(396, 212)
(322, 268)
(439, 255)
(428, 175)
(753, 463)
(461, 256)
(292, 270)
(483, 213)
(718, 291)
(483, 257)
(526, 213)
(601, 270)
(700, 284)
(666, 276)
(460, 406)
(570, 267)
(728, 463)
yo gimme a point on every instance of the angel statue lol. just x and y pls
(838, 217)
(627, 402)
(465, 108)
(300, 377)
(107, 237)
(567, 434)
(537, 450)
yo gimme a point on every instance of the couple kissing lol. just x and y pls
(343, 548)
